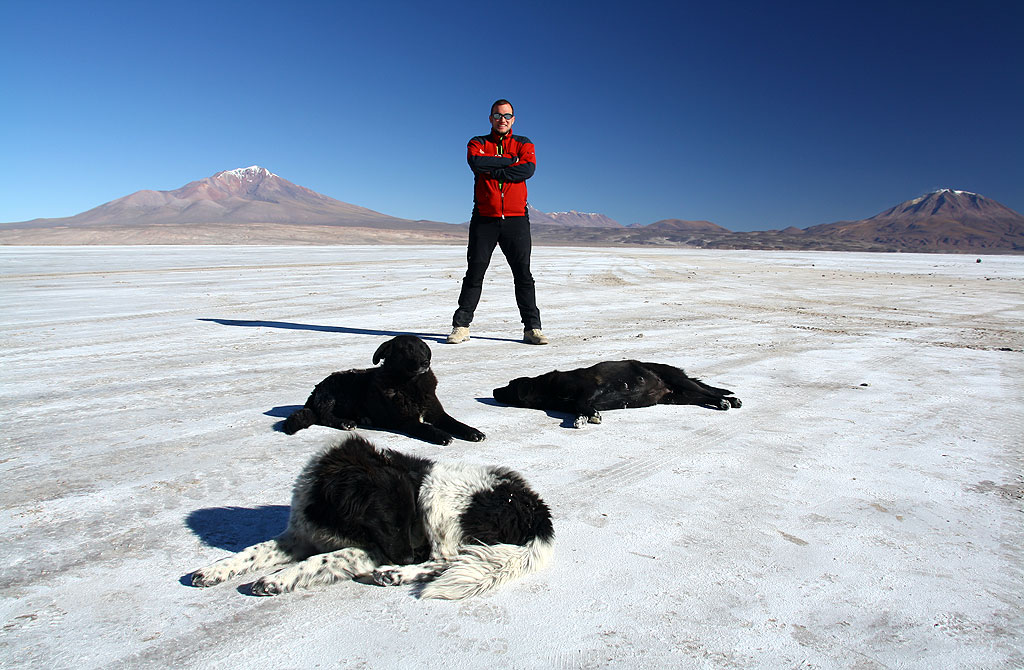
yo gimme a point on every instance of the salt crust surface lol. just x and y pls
(862, 509)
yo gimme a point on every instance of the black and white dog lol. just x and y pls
(368, 513)
(399, 395)
(612, 385)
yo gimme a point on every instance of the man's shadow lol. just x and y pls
(431, 337)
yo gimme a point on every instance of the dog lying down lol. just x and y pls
(585, 392)
(399, 395)
(359, 512)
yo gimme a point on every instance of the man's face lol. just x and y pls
(502, 125)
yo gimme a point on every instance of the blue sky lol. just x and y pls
(751, 115)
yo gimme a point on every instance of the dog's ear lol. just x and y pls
(383, 351)
(523, 385)
(395, 515)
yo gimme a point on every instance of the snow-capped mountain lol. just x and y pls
(244, 195)
(948, 203)
(572, 218)
(944, 219)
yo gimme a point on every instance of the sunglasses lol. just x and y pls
(507, 117)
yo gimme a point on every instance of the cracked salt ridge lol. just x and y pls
(140, 446)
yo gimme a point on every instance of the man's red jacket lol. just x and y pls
(502, 164)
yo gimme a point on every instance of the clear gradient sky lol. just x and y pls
(754, 115)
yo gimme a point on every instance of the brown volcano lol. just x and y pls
(246, 195)
(244, 206)
(946, 220)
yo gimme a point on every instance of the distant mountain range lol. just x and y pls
(946, 220)
(255, 206)
(676, 225)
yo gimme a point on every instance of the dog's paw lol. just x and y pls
(387, 577)
(580, 421)
(201, 579)
(475, 436)
(735, 402)
(596, 418)
(724, 404)
(266, 587)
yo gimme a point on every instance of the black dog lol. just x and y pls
(612, 385)
(368, 513)
(399, 395)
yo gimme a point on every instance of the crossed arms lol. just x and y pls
(513, 168)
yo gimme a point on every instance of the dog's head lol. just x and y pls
(366, 496)
(517, 393)
(404, 356)
(392, 517)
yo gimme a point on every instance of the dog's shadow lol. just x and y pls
(568, 420)
(285, 411)
(282, 412)
(430, 337)
(235, 528)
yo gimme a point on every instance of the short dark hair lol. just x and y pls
(502, 101)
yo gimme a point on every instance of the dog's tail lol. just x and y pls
(482, 567)
(303, 418)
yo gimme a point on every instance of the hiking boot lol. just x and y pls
(534, 336)
(459, 334)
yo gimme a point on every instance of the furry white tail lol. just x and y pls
(482, 567)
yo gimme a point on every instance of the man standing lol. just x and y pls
(501, 164)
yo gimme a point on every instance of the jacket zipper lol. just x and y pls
(501, 184)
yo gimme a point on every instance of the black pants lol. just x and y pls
(512, 235)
